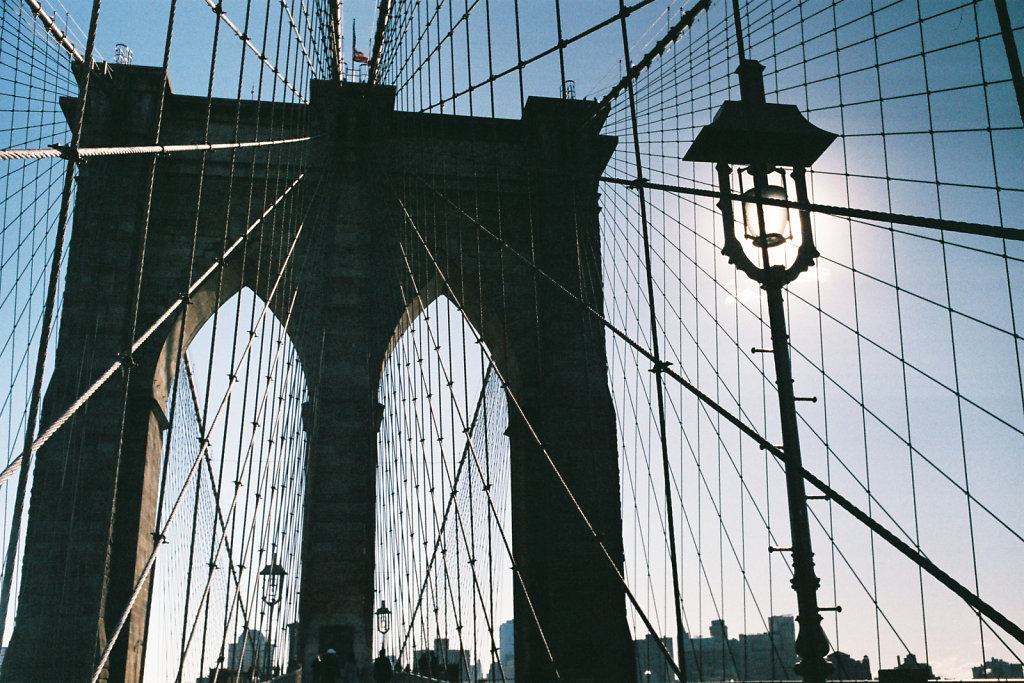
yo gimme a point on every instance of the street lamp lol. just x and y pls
(273, 582)
(765, 139)
(272, 577)
(383, 619)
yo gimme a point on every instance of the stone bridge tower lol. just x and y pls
(394, 209)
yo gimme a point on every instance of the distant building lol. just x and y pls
(997, 668)
(218, 674)
(846, 668)
(444, 663)
(251, 653)
(755, 657)
(907, 671)
(651, 658)
(506, 655)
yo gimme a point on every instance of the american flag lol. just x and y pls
(359, 57)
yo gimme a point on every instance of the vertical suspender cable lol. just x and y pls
(659, 365)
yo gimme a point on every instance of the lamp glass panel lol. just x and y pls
(273, 588)
(776, 218)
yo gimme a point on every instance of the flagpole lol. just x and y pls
(354, 48)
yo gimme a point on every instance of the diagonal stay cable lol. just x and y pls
(298, 36)
(869, 411)
(159, 537)
(670, 37)
(608, 21)
(653, 321)
(51, 27)
(45, 436)
(911, 553)
(436, 421)
(232, 568)
(223, 520)
(444, 520)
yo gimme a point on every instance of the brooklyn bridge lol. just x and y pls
(497, 340)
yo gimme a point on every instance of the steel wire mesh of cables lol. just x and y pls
(906, 332)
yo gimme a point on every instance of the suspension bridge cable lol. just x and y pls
(453, 504)
(659, 364)
(140, 583)
(671, 36)
(51, 26)
(218, 9)
(966, 228)
(873, 414)
(89, 152)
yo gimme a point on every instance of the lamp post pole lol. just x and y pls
(763, 136)
(811, 644)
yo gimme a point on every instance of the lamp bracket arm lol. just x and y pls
(805, 256)
(731, 248)
(807, 252)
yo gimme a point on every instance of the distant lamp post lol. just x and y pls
(273, 582)
(272, 576)
(383, 619)
(764, 139)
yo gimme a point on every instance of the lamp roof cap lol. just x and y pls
(273, 570)
(760, 133)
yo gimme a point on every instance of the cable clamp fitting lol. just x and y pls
(661, 366)
(66, 152)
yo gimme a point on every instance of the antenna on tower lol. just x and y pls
(122, 54)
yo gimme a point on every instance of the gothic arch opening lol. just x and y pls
(229, 497)
(444, 521)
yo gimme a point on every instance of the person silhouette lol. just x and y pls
(382, 668)
(330, 667)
